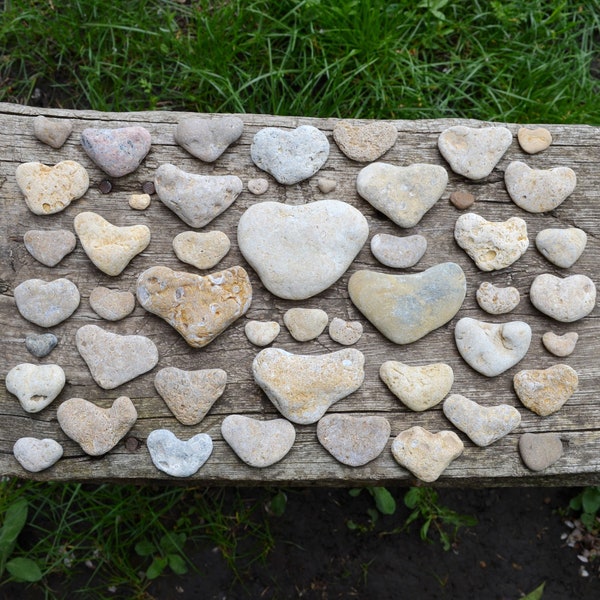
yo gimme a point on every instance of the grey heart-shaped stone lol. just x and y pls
(112, 305)
(35, 455)
(176, 457)
(46, 303)
(51, 246)
(42, 344)
(207, 139)
(35, 386)
(540, 450)
(53, 132)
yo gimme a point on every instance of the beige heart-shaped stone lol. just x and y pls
(560, 345)
(365, 143)
(201, 250)
(35, 455)
(540, 450)
(49, 247)
(534, 140)
(112, 305)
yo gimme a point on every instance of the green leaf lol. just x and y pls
(384, 501)
(277, 504)
(412, 497)
(536, 594)
(590, 499)
(576, 502)
(373, 514)
(157, 567)
(24, 569)
(145, 548)
(351, 525)
(177, 564)
(354, 492)
(14, 521)
(172, 542)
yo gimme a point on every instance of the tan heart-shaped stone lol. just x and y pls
(540, 450)
(534, 140)
(202, 250)
(51, 246)
(365, 143)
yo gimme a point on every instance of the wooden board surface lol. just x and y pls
(578, 422)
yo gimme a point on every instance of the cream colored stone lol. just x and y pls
(534, 140)
(139, 201)
(36, 386)
(305, 324)
(53, 132)
(262, 333)
(112, 305)
(565, 299)
(365, 143)
(345, 332)
(497, 300)
(562, 247)
(325, 185)
(201, 250)
(560, 345)
(398, 252)
(258, 186)
(540, 450)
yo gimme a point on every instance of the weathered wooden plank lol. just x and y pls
(578, 422)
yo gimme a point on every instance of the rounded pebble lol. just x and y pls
(50, 246)
(398, 252)
(262, 333)
(139, 201)
(560, 345)
(112, 305)
(497, 300)
(533, 141)
(345, 332)
(540, 450)
(562, 247)
(462, 200)
(203, 250)
(305, 324)
(565, 299)
(36, 386)
(41, 344)
(105, 186)
(53, 132)
(325, 185)
(36, 455)
(258, 186)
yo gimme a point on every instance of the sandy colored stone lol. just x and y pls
(325, 185)
(36, 455)
(262, 333)
(49, 246)
(258, 186)
(208, 138)
(112, 305)
(46, 303)
(175, 457)
(535, 140)
(497, 300)
(398, 252)
(560, 345)
(345, 332)
(139, 201)
(53, 132)
(203, 250)
(540, 450)
(305, 324)
(41, 344)
(36, 386)
(462, 200)
(562, 247)
(565, 299)
(365, 143)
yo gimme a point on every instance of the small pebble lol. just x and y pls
(565, 299)
(112, 305)
(305, 324)
(497, 300)
(208, 138)
(105, 186)
(148, 188)
(176, 457)
(258, 186)
(261, 333)
(325, 185)
(365, 143)
(562, 247)
(36, 455)
(462, 200)
(533, 141)
(398, 252)
(46, 303)
(41, 344)
(203, 250)
(139, 201)
(345, 332)
(53, 132)
(36, 386)
(560, 345)
(49, 246)
(540, 450)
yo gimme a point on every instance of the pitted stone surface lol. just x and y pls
(36, 386)
(262, 333)
(207, 139)
(201, 250)
(398, 252)
(345, 332)
(565, 299)
(49, 246)
(176, 457)
(540, 450)
(533, 141)
(365, 143)
(53, 132)
(305, 324)
(41, 344)
(562, 247)
(560, 345)
(36, 455)
(46, 303)
(497, 300)
(112, 305)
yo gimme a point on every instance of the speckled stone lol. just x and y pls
(49, 246)
(326, 186)
(207, 139)
(258, 186)
(560, 345)
(565, 299)
(41, 344)
(365, 143)
(533, 141)
(398, 252)
(203, 250)
(53, 132)
(462, 200)
(540, 450)
(345, 332)
(46, 303)
(305, 324)
(176, 457)
(139, 201)
(36, 455)
(497, 300)
(112, 305)
(562, 247)
(262, 333)
(36, 386)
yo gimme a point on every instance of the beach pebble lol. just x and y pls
(108, 246)
(112, 305)
(258, 443)
(46, 303)
(425, 454)
(562, 247)
(474, 152)
(53, 132)
(540, 450)
(345, 332)
(35, 386)
(262, 333)
(404, 194)
(303, 387)
(533, 141)
(497, 300)
(207, 139)
(560, 345)
(365, 143)
(565, 299)
(176, 457)
(325, 185)
(49, 246)
(114, 359)
(404, 308)
(201, 250)
(290, 156)
(36, 455)
(49, 190)
(198, 307)
(258, 186)
(492, 348)
(195, 199)
(299, 251)
(491, 244)
(398, 252)
(462, 200)
(420, 387)
(117, 151)
(139, 201)
(544, 391)
(353, 441)
(41, 344)
(305, 324)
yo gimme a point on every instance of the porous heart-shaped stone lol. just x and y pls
(538, 190)
(474, 152)
(35, 455)
(540, 450)
(419, 387)
(53, 132)
(560, 345)
(97, 430)
(49, 247)
(290, 156)
(406, 307)
(207, 139)
(190, 394)
(534, 140)
(305, 324)
(35, 385)
(491, 244)
(176, 457)
(425, 454)
(398, 252)
(365, 143)
(199, 308)
(492, 348)
(112, 305)
(483, 424)
(404, 194)
(497, 300)
(262, 333)
(41, 344)
(49, 190)
(299, 251)
(195, 199)
(345, 332)
(258, 443)
(117, 151)
(565, 299)
(202, 250)
(109, 247)
(544, 391)
(303, 387)
(562, 247)
(46, 303)
(114, 359)
(354, 441)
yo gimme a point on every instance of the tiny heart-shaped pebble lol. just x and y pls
(258, 443)
(538, 190)
(53, 132)
(198, 307)
(404, 194)
(544, 391)
(112, 305)
(207, 139)
(540, 450)
(345, 332)
(425, 454)
(305, 324)
(41, 344)
(262, 333)
(176, 457)
(117, 151)
(46, 303)
(353, 441)
(35, 455)
(560, 345)
(49, 190)
(190, 394)
(303, 387)
(533, 141)
(201, 250)
(562, 247)
(49, 247)
(97, 430)
(565, 299)
(398, 252)
(290, 156)
(365, 143)
(483, 424)
(35, 385)
(497, 300)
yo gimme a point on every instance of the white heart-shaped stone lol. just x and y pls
(51, 246)
(262, 333)
(46, 303)
(35, 455)
(565, 299)
(176, 457)
(207, 139)
(35, 385)
(365, 143)
(497, 300)
(562, 247)
(305, 324)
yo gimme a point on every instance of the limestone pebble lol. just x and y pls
(53, 132)
(565, 299)
(208, 138)
(540, 450)
(36, 386)
(365, 143)
(139, 201)
(326, 185)
(46, 303)
(497, 300)
(345, 332)
(262, 333)
(203, 250)
(398, 252)
(258, 186)
(49, 246)
(562, 247)
(112, 305)
(535, 140)
(305, 324)
(175, 457)
(36, 455)
(560, 345)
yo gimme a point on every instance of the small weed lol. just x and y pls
(168, 551)
(587, 503)
(277, 504)
(535, 594)
(384, 504)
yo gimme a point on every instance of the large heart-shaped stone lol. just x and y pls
(406, 307)
(35, 455)
(299, 251)
(46, 303)
(565, 299)
(207, 139)
(35, 385)
(51, 246)
(365, 143)
(176, 457)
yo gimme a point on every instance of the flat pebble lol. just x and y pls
(36, 455)
(258, 186)
(112, 305)
(540, 450)
(565, 299)
(203, 250)
(497, 300)
(562, 247)
(176, 457)
(49, 246)
(560, 345)
(139, 201)
(305, 324)
(398, 252)
(345, 332)
(262, 333)
(326, 186)
(46, 303)
(533, 141)
(36, 386)
(41, 344)
(462, 200)
(53, 132)
(365, 143)
(207, 139)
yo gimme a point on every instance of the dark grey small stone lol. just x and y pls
(42, 344)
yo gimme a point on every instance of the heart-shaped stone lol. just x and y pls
(49, 247)
(404, 308)
(49, 190)
(290, 156)
(533, 141)
(492, 348)
(109, 247)
(299, 251)
(419, 387)
(114, 359)
(538, 190)
(35, 385)
(305, 324)
(262, 333)
(365, 143)
(425, 454)
(404, 194)
(483, 424)
(53, 132)
(176, 457)
(207, 139)
(540, 450)
(491, 244)
(35, 455)
(345, 332)
(398, 252)
(117, 151)
(497, 300)
(196, 199)
(560, 345)
(474, 152)
(544, 391)
(202, 250)
(199, 308)
(190, 394)
(112, 305)
(97, 430)
(41, 344)
(303, 387)
(565, 299)
(46, 303)
(258, 443)
(562, 247)
(353, 441)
